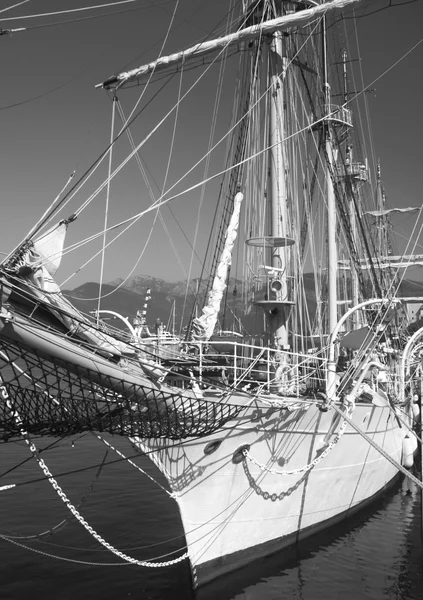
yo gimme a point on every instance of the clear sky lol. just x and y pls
(54, 121)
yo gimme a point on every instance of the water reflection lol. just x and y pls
(376, 554)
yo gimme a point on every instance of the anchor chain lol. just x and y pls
(310, 465)
(25, 435)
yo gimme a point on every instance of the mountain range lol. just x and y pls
(127, 297)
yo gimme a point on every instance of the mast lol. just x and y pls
(352, 215)
(276, 242)
(353, 220)
(331, 204)
(353, 174)
(384, 244)
(336, 126)
(278, 192)
(332, 266)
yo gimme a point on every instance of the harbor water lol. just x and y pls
(46, 553)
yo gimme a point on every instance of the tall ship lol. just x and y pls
(297, 413)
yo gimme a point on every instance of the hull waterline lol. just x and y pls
(234, 511)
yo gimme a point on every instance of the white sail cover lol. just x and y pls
(37, 268)
(186, 57)
(203, 326)
(49, 247)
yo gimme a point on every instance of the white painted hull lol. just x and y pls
(234, 513)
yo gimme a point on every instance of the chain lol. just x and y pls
(3, 488)
(310, 465)
(170, 494)
(5, 395)
(96, 535)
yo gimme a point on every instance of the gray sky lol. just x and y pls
(63, 122)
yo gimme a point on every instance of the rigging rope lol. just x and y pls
(13, 6)
(144, 175)
(106, 212)
(241, 117)
(74, 10)
(162, 200)
(38, 536)
(129, 461)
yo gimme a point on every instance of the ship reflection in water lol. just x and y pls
(376, 554)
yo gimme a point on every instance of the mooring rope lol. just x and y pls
(378, 448)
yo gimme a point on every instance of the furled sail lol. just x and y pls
(385, 262)
(382, 213)
(193, 54)
(202, 327)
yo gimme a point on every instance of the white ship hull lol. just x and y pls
(234, 512)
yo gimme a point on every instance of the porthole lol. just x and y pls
(238, 455)
(212, 447)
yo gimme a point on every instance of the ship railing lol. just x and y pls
(387, 382)
(249, 366)
(161, 347)
(355, 170)
(159, 340)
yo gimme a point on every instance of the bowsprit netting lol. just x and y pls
(52, 398)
